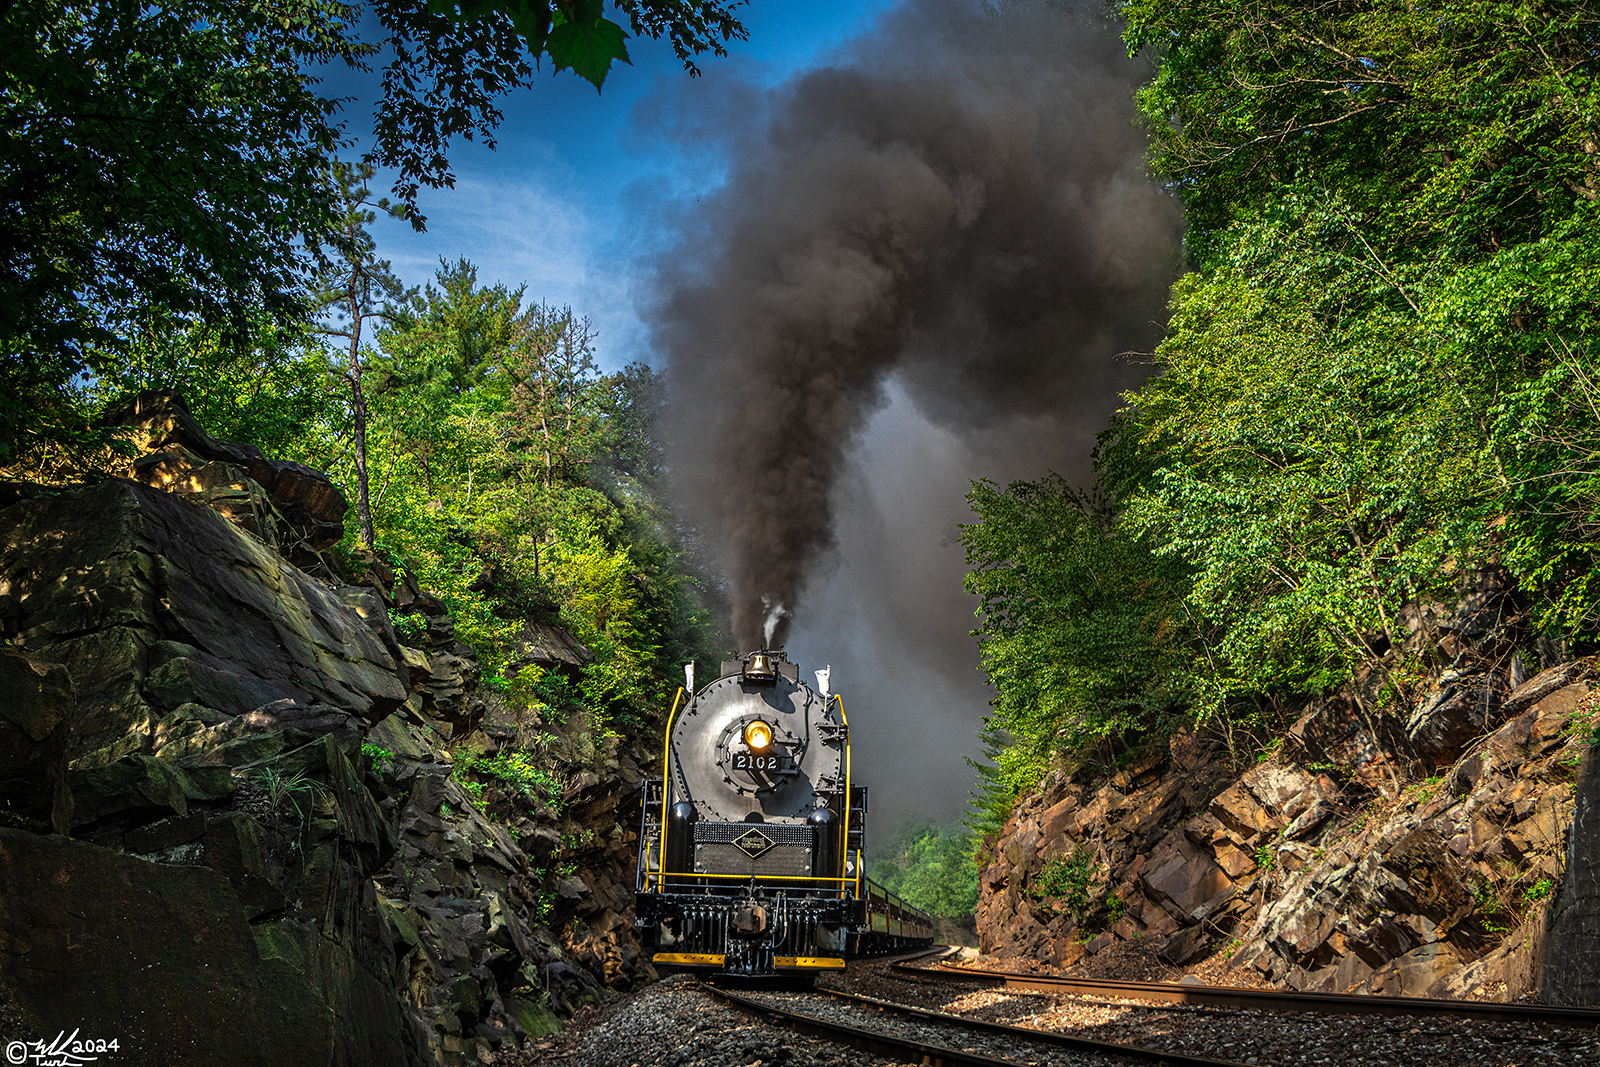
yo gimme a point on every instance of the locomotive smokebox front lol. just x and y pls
(749, 842)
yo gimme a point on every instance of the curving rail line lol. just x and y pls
(906, 1050)
(1261, 999)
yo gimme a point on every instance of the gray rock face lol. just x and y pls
(1571, 967)
(244, 884)
(37, 706)
(159, 609)
(83, 929)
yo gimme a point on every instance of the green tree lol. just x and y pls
(271, 392)
(178, 161)
(930, 866)
(355, 287)
(1083, 632)
(158, 165)
(1409, 196)
(517, 481)
(1452, 128)
(444, 360)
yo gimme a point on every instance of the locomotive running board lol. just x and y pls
(825, 962)
(693, 958)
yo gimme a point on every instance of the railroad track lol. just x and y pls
(916, 1035)
(684, 1023)
(1224, 997)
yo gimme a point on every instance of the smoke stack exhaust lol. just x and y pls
(961, 202)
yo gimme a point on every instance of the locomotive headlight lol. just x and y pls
(758, 735)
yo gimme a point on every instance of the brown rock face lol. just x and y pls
(1314, 878)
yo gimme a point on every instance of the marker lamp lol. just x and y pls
(758, 735)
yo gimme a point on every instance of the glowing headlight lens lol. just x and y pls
(758, 735)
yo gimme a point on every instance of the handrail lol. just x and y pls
(666, 789)
(844, 845)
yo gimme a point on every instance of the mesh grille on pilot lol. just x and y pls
(715, 850)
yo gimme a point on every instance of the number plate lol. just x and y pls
(748, 761)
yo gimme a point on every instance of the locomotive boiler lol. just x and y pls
(751, 841)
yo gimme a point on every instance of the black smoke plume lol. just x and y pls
(961, 201)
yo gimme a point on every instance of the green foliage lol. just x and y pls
(1082, 629)
(472, 787)
(268, 389)
(1072, 881)
(411, 630)
(1457, 127)
(1395, 214)
(159, 165)
(576, 35)
(296, 790)
(930, 867)
(1315, 465)
(517, 772)
(515, 481)
(382, 759)
(172, 169)
(1380, 374)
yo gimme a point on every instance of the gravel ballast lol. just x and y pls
(674, 1023)
(1267, 1039)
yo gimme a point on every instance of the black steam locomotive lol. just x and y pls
(750, 843)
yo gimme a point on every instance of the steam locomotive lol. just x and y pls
(750, 842)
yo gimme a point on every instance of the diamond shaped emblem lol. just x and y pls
(753, 843)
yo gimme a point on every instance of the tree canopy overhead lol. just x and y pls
(1479, 117)
(176, 163)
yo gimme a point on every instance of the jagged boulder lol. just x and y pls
(161, 608)
(1318, 879)
(295, 509)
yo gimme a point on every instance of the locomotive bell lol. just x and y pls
(760, 668)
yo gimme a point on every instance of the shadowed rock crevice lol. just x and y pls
(1571, 966)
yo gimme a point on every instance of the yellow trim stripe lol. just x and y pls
(807, 961)
(666, 782)
(687, 957)
(682, 877)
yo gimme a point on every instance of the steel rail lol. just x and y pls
(942, 1055)
(1265, 999)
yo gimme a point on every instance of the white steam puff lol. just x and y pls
(775, 614)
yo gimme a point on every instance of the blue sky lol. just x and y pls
(561, 204)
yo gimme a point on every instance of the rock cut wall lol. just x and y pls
(1312, 870)
(197, 856)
